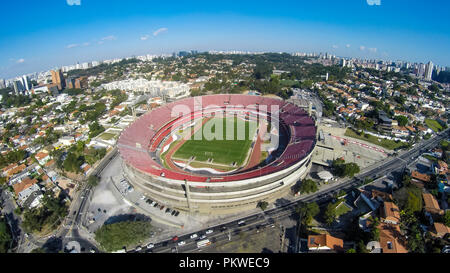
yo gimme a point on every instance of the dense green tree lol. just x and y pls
(115, 236)
(5, 236)
(308, 186)
(95, 129)
(50, 214)
(343, 169)
(447, 218)
(307, 211)
(402, 120)
(330, 213)
(93, 181)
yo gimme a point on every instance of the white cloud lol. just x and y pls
(362, 48)
(109, 38)
(159, 31)
(373, 2)
(373, 50)
(347, 45)
(73, 2)
(72, 45)
(145, 37)
(20, 61)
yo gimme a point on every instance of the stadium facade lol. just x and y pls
(143, 142)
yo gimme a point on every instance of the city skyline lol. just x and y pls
(61, 32)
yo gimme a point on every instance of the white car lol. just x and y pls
(150, 246)
(182, 243)
(193, 236)
(203, 237)
(209, 231)
(143, 197)
(138, 248)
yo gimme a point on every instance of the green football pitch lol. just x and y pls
(204, 146)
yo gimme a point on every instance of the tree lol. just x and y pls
(93, 181)
(50, 214)
(5, 237)
(413, 202)
(307, 211)
(342, 169)
(402, 120)
(447, 218)
(308, 186)
(115, 236)
(95, 129)
(351, 250)
(330, 214)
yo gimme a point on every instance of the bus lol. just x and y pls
(203, 243)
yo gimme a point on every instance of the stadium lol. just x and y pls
(218, 154)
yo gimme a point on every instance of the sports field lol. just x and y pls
(204, 147)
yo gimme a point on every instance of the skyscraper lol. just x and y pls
(429, 71)
(58, 78)
(26, 82)
(16, 85)
(2, 83)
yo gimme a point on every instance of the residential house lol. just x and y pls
(24, 184)
(431, 205)
(440, 230)
(390, 213)
(325, 242)
(42, 157)
(391, 239)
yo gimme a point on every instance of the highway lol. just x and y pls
(268, 217)
(73, 223)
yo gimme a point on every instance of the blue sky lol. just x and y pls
(39, 35)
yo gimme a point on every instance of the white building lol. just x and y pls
(154, 88)
(429, 71)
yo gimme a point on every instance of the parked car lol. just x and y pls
(209, 231)
(182, 243)
(162, 207)
(175, 238)
(173, 212)
(139, 248)
(193, 236)
(150, 246)
(203, 237)
(176, 214)
(155, 205)
(168, 210)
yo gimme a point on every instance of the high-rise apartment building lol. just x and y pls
(429, 71)
(2, 83)
(26, 82)
(58, 78)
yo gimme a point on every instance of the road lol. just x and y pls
(72, 228)
(267, 218)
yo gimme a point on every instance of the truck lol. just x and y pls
(203, 243)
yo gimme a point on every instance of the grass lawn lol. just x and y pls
(385, 143)
(107, 136)
(434, 125)
(341, 209)
(221, 151)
